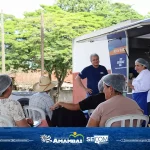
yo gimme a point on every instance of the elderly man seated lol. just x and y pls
(42, 99)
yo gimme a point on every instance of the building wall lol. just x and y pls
(26, 80)
(64, 96)
(78, 92)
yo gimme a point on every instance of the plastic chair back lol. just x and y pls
(23, 101)
(34, 113)
(131, 118)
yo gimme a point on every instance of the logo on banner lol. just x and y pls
(46, 138)
(73, 138)
(99, 139)
(120, 62)
(75, 135)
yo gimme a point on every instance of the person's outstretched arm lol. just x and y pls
(66, 105)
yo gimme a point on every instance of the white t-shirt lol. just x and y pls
(12, 109)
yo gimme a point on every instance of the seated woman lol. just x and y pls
(115, 105)
(11, 108)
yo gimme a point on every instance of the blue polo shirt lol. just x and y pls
(93, 76)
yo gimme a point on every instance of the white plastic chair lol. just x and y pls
(6, 121)
(129, 117)
(34, 113)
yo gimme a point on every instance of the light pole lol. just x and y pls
(2, 43)
(42, 44)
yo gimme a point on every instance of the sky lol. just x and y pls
(18, 7)
(142, 6)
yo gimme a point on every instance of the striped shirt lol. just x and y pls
(43, 101)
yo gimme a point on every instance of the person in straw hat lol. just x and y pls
(42, 99)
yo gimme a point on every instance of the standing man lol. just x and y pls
(93, 73)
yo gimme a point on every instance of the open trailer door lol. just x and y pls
(117, 46)
(126, 44)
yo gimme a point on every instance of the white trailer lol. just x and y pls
(118, 47)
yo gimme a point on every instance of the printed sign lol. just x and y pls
(119, 64)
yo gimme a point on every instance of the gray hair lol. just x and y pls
(100, 85)
(142, 62)
(93, 55)
(116, 81)
(5, 82)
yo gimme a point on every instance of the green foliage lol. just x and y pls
(113, 12)
(59, 62)
(121, 12)
(147, 16)
(82, 5)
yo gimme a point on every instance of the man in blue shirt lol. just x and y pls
(93, 73)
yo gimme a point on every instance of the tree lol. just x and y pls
(122, 12)
(60, 63)
(9, 28)
(113, 12)
(83, 5)
(22, 42)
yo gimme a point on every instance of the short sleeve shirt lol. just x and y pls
(93, 76)
(43, 101)
(12, 109)
(115, 106)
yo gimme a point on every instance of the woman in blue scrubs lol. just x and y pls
(141, 84)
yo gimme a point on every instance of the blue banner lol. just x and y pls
(119, 64)
(74, 138)
(117, 51)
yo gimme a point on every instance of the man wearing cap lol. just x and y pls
(42, 99)
(141, 84)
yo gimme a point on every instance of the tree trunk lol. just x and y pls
(56, 95)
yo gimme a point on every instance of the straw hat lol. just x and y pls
(44, 84)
